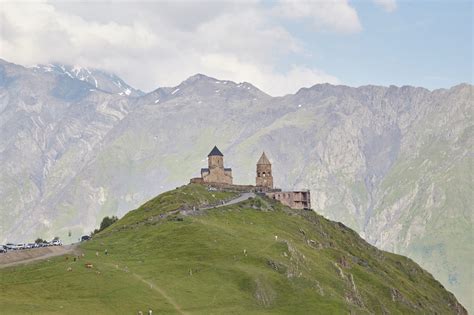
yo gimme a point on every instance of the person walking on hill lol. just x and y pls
(106, 252)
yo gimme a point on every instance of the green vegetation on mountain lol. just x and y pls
(255, 256)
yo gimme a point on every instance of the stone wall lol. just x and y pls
(196, 180)
(218, 175)
(264, 176)
(239, 188)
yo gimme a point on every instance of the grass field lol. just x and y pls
(255, 257)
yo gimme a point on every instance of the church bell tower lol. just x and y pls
(264, 172)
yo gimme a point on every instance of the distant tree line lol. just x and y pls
(39, 240)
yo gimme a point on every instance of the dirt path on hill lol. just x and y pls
(152, 286)
(241, 198)
(25, 256)
(161, 292)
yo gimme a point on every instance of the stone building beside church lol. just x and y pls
(218, 176)
(300, 199)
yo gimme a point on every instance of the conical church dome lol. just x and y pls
(263, 160)
(215, 152)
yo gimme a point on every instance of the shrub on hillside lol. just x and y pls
(39, 240)
(106, 222)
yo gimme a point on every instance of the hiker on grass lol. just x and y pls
(106, 252)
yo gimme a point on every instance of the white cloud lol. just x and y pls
(161, 44)
(266, 78)
(38, 33)
(387, 5)
(332, 15)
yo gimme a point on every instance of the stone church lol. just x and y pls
(218, 176)
(215, 172)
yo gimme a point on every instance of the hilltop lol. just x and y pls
(177, 254)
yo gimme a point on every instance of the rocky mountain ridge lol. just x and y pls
(99, 79)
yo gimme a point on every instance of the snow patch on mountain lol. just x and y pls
(99, 79)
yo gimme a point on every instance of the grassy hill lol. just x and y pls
(253, 257)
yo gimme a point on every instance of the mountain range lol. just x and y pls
(393, 163)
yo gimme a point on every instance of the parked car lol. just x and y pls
(57, 243)
(29, 245)
(3, 249)
(11, 246)
(85, 238)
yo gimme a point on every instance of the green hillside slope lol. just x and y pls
(252, 257)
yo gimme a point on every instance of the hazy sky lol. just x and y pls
(279, 46)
